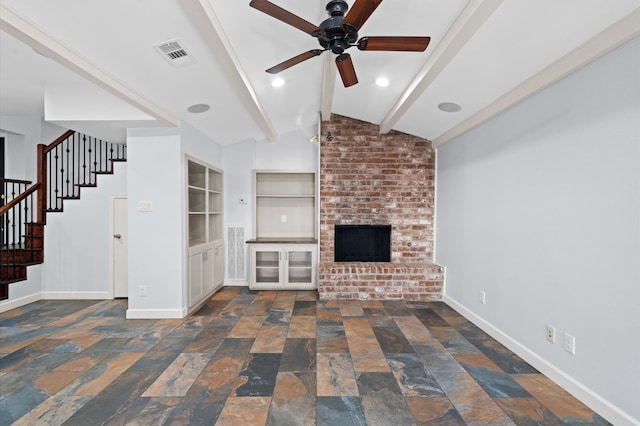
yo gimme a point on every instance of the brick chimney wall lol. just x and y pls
(368, 178)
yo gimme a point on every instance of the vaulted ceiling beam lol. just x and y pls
(206, 22)
(26, 32)
(328, 86)
(472, 17)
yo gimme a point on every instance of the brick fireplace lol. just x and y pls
(372, 179)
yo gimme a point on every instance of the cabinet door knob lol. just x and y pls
(118, 236)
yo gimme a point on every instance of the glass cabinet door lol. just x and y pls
(300, 266)
(267, 266)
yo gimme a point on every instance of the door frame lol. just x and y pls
(112, 284)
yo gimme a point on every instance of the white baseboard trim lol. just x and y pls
(606, 409)
(76, 295)
(156, 313)
(16, 303)
(236, 283)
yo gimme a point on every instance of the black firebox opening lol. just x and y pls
(362, 243)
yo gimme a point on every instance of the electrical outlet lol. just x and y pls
(551, 333)
(569, 344)
(283, 218)
(483, 297)
(142, 291)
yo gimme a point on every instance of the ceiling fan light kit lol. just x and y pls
(338, 33)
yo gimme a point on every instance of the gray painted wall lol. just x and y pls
(540, 208)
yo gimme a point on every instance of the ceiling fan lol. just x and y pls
(338, 33)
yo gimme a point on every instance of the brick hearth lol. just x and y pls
(372, 179)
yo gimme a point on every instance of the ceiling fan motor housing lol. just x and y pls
(334, 37)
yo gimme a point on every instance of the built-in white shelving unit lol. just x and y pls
(205, 238)
(284, 251)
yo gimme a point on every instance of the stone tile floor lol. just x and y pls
(268, 358)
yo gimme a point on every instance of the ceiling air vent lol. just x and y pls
(173, 51)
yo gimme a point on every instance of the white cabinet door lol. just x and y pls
(208, 265)
(300, 266)
(218, 264)
(266, 266)
(196, 289)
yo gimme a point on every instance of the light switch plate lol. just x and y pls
(145, 206)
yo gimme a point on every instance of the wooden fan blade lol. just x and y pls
(399, 44)
(346, 70)
(286, 17)
(359, 13)
(294, 61)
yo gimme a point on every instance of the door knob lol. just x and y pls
(117, 236)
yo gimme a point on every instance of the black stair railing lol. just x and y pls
(11, 188)
(16, 217)
(71, 162)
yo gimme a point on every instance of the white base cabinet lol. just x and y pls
(206, 270)
(283, 266)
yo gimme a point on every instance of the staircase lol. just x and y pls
(68, 164)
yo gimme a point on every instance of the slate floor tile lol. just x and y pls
(434, 410)
(53, 411)
(351, 308)
(382, 400)
(556, 399)
(178, 377)
(340, 410)
(299, 355)
(268, 358)
(336, 376)
(331, 339)
(412, 376)
(270, 339)
(244, 411)
(258, 378)
(497, 383)
(294, 400)
(367, 354)
(304, 308)
(302, 327)
(392, 340)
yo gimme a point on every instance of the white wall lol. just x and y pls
(24, 135)
(77, 242)
(14, 164)
(239, 162)
(540, 208)
(293, 151)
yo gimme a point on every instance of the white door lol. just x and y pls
(120, 252)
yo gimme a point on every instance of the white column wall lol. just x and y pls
(155, 174)
(540, 209)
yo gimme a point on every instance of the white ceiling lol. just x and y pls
(484, 55)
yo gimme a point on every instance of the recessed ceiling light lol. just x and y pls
(449, 107)
(198, 108)
(382, 82)
(277, 82)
